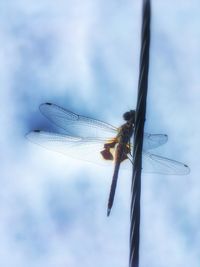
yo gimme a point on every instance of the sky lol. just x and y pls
(84, 56)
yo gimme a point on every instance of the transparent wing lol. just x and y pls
(156, 164)
(76, 124)
(82, 126)
(87, 149)
(152, 141)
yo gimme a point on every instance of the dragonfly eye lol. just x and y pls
(129, 115)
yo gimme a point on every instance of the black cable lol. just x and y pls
(138, 136)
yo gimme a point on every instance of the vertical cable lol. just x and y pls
(138, 136)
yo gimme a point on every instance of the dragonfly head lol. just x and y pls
(129, 116)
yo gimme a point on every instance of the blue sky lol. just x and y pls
(84, 55)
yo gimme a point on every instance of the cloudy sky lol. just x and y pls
(83, 55)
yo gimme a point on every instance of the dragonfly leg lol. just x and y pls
(129, 146)
(129, 156)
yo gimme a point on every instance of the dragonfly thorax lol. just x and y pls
(125, 132)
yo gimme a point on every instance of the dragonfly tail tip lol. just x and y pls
(108, 212)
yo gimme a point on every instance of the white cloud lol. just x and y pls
(84, 55)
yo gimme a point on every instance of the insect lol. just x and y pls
(96, 141)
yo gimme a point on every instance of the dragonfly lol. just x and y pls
(96, 141)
